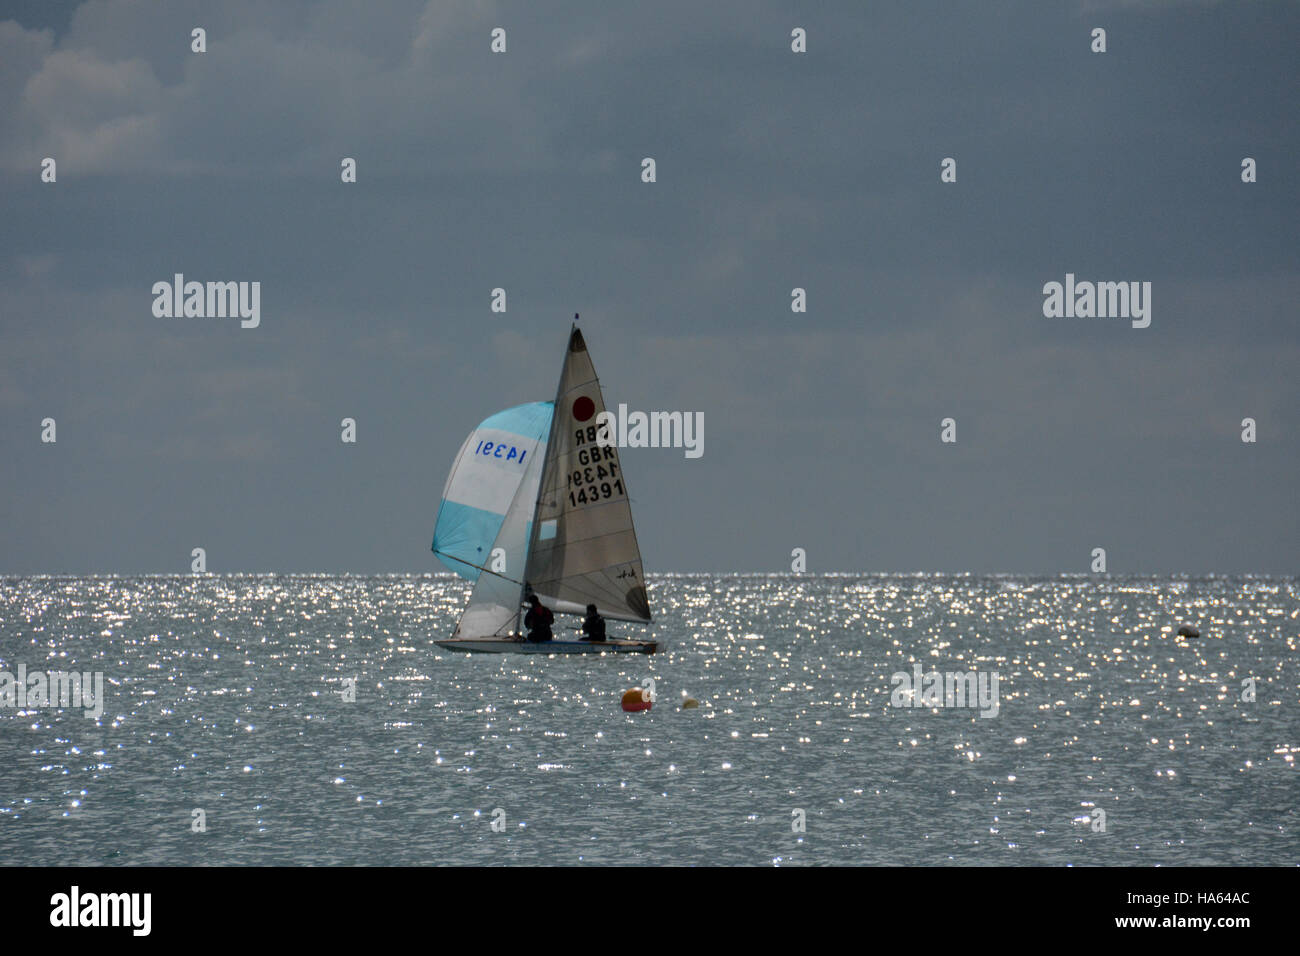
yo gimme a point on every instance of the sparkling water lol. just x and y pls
(229, 735)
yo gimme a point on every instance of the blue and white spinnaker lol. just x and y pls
(484, 481)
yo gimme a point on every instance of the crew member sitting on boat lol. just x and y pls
(538, 620)
(593, 625)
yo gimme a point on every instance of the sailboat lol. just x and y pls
(537, 504)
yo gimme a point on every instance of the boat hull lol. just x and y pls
(517, 645)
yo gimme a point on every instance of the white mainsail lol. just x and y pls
(583, 547)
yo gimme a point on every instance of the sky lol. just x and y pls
(774, 170)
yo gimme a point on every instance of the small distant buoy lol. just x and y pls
(635, 700)
(1188, 631)
(690, 703)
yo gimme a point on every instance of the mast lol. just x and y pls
(541, 483)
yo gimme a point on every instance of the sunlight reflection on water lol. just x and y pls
(225, 693)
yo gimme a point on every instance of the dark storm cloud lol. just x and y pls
(775, 171)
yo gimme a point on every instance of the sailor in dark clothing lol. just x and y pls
(538, 620)
(593, 625)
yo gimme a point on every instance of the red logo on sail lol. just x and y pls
(583, 408)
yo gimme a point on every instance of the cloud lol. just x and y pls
(776, 170)
(268, 96)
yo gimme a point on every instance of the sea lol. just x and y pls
(310, 719)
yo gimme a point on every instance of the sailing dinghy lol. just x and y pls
(535, 505)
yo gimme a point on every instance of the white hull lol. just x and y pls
(517, 645)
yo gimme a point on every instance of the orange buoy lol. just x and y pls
(635, 700)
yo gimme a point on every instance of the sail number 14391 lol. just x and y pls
(597, 481)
